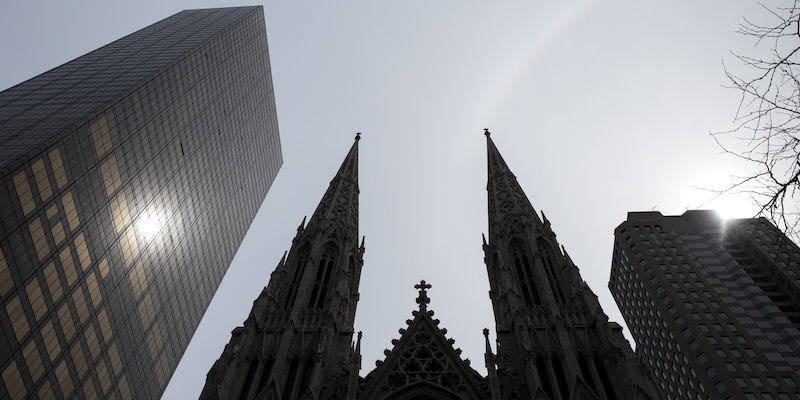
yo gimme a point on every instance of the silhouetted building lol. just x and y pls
(131, 175)
(554, 341)
(713, 304)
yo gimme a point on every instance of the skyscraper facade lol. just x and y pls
(713, 304)
(130, 176)
(553, 340)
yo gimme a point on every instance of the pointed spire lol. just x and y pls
(496, 163)
(349, 167)
(340, 202)
(506, 198)
(491, 368)
(358, 349)
(283, 260)
(488, 345)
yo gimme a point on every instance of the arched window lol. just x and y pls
(604, 378)
(262, 383)
(297, 275)
(561, 378)
(248, 381)
(322, 279)
(544, 376)
(587, 373)
(297, 384)
(291, 380)
(550, 268)
(305, 381)
(524, 271)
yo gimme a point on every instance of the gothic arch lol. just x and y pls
(246, 385)
(352, 268)
(552, 269)
(326, 267)
(553, 375)
(423, 391)
(298, 378)
(297, 274)
(523, 269)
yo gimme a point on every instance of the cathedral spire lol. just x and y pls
(543, 314)
(507, 201)
(297, 341)
(338, 209)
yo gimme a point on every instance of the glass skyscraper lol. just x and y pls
(713, 304)
(130, 176)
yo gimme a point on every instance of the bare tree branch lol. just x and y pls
(767, 122)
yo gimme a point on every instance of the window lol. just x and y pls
(727, 340)
(551, 269)
(524, 272)
(773, 382)
(729, 366)
(322, 279)
(745, 366)
(297, 275)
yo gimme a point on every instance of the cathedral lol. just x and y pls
(553, 341)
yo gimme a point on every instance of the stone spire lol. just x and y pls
(297, 341)
(507, 201)
(338, 208)
(553, 340)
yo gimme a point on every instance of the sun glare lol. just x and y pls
(150, 225)
(729, 207)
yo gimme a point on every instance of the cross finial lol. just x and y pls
(486, 132)
(423, 299)
(358, 136)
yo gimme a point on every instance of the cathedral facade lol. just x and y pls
(553, 341)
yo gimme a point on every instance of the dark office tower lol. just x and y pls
(713, 304)
(296, 342)
(130, 176)
(553, 339)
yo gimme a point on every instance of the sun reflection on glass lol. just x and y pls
(150, 225)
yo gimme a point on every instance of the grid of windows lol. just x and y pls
(712, 312)
(130, 174)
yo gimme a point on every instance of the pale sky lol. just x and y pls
(599, 108)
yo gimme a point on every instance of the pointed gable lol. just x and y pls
(424, 363)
